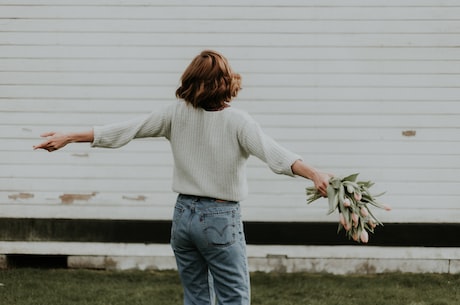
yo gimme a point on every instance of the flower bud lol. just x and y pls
(358, 196)
(364, 212)
(355, 219)
(364, 236)
(347, 226)
(372, 223)
(355, 236)
(387, 207)
(350, 189)
(346, 202)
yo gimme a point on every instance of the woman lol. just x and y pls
(211, 142)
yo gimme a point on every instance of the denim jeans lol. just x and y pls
(207, 238)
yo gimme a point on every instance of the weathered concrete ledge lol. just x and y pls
(314, 259)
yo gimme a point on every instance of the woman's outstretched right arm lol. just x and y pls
(57, 140)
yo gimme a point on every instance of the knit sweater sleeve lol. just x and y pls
(255, 142)
(115, 135)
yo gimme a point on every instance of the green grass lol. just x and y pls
(86, 287)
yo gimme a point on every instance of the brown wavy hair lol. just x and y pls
(209, 82)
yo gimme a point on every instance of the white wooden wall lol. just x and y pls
(352, 85)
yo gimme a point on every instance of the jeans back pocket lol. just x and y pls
(220, 228)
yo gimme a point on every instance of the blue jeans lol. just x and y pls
(207, 238)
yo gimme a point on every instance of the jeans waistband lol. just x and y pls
(204, 198)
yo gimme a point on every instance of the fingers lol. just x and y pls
(46, 145)
(323, 191)
(43, 145)
(48, 134)
(324, 183)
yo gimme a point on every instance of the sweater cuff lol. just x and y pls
(292, 160)
(96, 137)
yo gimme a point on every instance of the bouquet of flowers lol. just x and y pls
(353, 200)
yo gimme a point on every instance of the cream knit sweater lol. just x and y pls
(210, 148)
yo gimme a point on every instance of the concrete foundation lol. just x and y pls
(313, 259)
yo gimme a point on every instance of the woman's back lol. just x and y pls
(208, 157)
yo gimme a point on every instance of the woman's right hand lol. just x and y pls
(54, 141)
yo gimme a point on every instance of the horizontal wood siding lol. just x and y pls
(351, 85)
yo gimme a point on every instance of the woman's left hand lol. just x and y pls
(321, 181)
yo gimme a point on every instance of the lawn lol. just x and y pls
(89, 287)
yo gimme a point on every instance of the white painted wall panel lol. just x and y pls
(353, 86)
